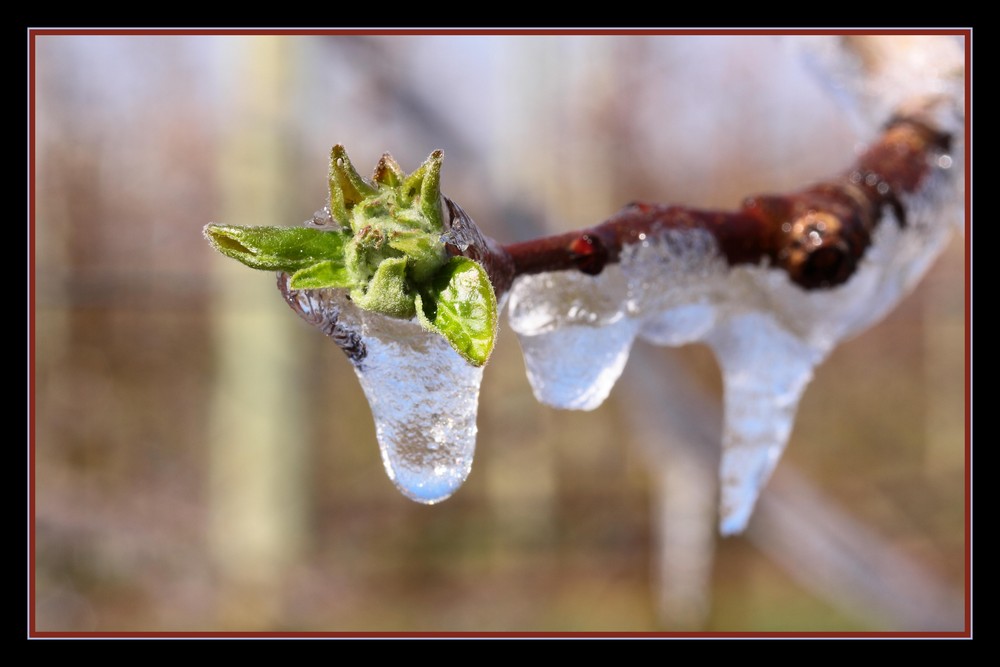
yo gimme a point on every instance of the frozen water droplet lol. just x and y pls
(576, 366)
(576, 331)
(461, 231)
(573, 333)
(424, 397)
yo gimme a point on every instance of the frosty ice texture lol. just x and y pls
(767, 333)
(424, 396)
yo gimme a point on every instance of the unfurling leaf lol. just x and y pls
(388, 292)
(462, 307)
(288, 249)
(330, 273)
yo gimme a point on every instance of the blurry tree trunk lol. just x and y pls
(830, 553)
(257, 442)
(679, 433)
(944, 319)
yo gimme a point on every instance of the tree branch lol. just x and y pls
(816, 235)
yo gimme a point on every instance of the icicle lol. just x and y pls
(424, 397)
(764, 371)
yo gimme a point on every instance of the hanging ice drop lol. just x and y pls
(424, 396)
(574, 335)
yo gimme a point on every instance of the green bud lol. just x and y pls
(389, 253)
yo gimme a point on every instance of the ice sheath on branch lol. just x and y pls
(817, 236)
(771, 288)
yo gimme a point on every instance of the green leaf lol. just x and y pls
(388, 292)
(424, 251)
(430, 191)
(288, 249)
(342, 173)
(462, 307)
(319, 276)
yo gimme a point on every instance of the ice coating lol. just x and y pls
(424, 397)
(672, 288)
(768, 334)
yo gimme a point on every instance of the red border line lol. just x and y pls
(504, 635)
(33, 633)
(31, 332)
(485, 32)
(968, 335)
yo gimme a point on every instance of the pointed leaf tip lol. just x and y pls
(430, 189)
(288, 249)
(388, 172)
(353, 187)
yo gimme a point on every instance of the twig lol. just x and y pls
(817, 235)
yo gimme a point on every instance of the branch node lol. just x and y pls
(589, 254)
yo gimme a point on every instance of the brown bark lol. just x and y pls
(817, 235)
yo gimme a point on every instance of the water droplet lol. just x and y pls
(322, 218)
(573, 333)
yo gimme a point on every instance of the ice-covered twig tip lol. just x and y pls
(387, 241)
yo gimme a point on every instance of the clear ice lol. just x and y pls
(424, 396)
(767, 333)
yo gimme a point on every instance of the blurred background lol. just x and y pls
(179, 488)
